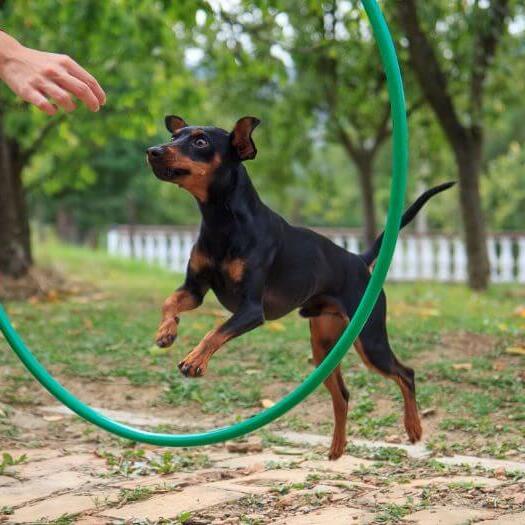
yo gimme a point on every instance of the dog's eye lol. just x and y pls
(200, 142)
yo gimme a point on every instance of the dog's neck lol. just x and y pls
(232, 198)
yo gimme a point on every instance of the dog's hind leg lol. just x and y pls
(373, 347)
(325, 330)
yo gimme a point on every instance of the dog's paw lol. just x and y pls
(166, 334)
(337, 448)
(413, 429)
(193, 365)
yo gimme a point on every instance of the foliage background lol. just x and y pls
(214, 62)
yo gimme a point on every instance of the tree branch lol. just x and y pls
(28, 152)
(383, 130)
(346, 140)
(428, 70)
(485, 45)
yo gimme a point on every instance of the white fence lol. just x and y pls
(417, 257)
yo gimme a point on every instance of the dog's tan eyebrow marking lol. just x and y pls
(197, 132)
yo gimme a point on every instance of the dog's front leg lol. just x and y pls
(249, 316)
(188, 297)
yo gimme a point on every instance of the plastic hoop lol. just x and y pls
(312, 381)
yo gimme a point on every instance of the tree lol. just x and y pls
(15, 244)
(130, 47)
(332, 50)
(334, 75)
(467, 40)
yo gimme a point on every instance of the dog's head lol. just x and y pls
(197, 155)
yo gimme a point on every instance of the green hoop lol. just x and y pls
(397, 194)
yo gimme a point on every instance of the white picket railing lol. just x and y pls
(417, 257)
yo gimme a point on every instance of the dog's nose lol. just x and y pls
(155, 152)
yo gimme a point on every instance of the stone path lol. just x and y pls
(286, 480)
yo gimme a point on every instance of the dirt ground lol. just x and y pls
(64, 471)
(468, 352)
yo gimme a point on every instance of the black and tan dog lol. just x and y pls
(260, 267)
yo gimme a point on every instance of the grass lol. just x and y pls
(8, 461)
(137, 461)
(101, 334)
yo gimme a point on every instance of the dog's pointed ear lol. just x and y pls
(174, 123)
(241, 137)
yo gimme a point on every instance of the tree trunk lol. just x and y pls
(365, 173)
(15, 247)
(66, 226)
(468, 158)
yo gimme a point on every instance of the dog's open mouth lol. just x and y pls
(169, 174)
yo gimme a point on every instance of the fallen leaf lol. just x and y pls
(428, 312)
(515, 350)
(243, 447)
(500, 473)
(286, 501)
(52, 419)
(428, 412)
(462, 366)
(499, 366)
(52, 296)
(289, 451)
(156, 351)
(256, 467)
(267, 403)
(520, 311)
(275, 326)
(393, 438)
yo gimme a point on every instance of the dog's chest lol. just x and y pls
(226, 279)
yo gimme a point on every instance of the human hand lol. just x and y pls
(37, 77)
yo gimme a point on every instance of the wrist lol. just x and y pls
(9, 48)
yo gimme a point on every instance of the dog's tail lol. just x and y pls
(370, 255)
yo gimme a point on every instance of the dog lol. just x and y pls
(261, 268)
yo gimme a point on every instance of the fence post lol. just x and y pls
(138, 246)
(175, 252)
(427, 260)
(411, 259)
(443, 259)
(112, 240)
(521, 260)
(149, 248)
(396, 269)
(352, 243)
(506, 260)
(187, 245)
(493, 260)
(460, 261)
(162, 249)
(125, 244)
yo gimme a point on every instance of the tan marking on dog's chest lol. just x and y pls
(199, 261)
(234, 268)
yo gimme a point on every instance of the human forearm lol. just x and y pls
(8, 48)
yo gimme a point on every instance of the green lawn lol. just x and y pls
(98, 340)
